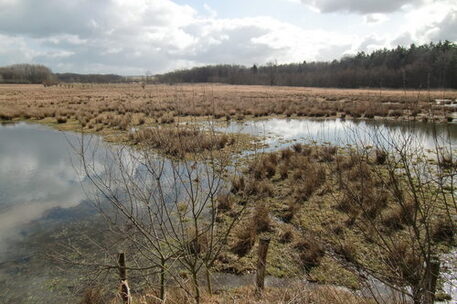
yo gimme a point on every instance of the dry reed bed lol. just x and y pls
(179, 142)
(120, 106)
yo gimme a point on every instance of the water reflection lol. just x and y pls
(39, 182)
(279, 133)
(36, 175)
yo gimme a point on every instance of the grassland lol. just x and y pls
(114, 110)
(293, 195)
(122, 105)
(315, 202)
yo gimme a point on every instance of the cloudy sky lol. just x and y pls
(132, 37)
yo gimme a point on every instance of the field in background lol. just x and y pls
(123, 105)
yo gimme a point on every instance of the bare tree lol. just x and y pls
(162, 212)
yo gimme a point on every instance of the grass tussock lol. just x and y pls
(120, 106)
(320, 201)
(258, 222)
(310, 251)
(179, 141)
(244, 241)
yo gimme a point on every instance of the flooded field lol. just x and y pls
(280, 133)
(41, 192)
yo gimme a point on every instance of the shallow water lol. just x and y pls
(449, 272)
(36, 176)
(280, 133)
(40, 190)
(43, 194)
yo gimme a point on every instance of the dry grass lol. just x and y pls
(179, 141)
(295, 293)
(246, 235)
(317, 198)
(96, 295)
(245, 239)
(108, 105)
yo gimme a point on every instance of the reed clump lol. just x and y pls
(179, 141)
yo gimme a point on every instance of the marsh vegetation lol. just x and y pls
(182, 207)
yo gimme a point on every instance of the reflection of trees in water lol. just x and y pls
(420, 129)
(342, 132)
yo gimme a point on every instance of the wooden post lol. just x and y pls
(125, 290)
(261, 264)
(432, 273)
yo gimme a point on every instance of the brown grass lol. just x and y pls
(294, 293)
(108, 104)
(95, 295)
(179, 141)
(310, 251)
(245, 239)
(320, 196)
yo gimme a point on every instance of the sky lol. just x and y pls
(135, 37)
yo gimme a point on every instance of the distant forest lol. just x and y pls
(37, 74)
(26, 73)
(426, 66)
(90, 78)
(431, 65)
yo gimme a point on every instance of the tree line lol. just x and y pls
(432, 65)
(37, 74)
(90, 78)
(26, 73)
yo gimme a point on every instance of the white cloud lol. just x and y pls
(212, 13)
(360, 6)
(15, 49)
(131, 37)
(434, 21)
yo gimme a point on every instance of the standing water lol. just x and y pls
(280, 133)
(40, 190)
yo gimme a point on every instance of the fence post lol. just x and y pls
(261, 264)
(125, 290)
